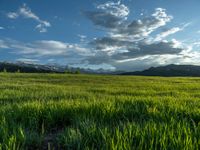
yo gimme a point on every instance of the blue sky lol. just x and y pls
(121, 35)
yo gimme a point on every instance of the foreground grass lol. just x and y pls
(49, 111)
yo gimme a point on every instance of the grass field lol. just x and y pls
(60, 111)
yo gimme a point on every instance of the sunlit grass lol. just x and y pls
(59, 111)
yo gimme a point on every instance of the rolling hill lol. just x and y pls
(169, 70)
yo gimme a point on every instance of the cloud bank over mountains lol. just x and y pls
(127, 44)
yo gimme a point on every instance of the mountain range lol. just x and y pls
(51, 68)
(168, 71)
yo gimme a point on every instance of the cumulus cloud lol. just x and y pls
(115, 9)
(115, 20)
(113, 16)
(144, 49)
(142, 28)
(109, 15)
(26, 12)
(120, 46)
(130, 40)
(110, 45)
(112, 50)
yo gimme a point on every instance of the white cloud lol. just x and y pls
(45, 48)
(109, 15)
(169, 32)
(26, 12)
(115, 9)
(12, 15)
(82, 37)
(95, 67)
(164, 34)
(28, 60)
(51, 44)
(131, 42)
(140, 63)
(197, 43)
(113, 16)
(2, 28)
(176, 43)
(41, 28)
(127, 44)
(145, 62)
(141, 28)
(162, 16)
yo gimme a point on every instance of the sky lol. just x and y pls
(125, 35)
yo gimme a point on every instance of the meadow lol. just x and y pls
(63, 111)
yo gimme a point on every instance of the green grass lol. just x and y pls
(60, 111)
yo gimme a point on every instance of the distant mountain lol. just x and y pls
(50, 68)
(28, 68)
(169, 70)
